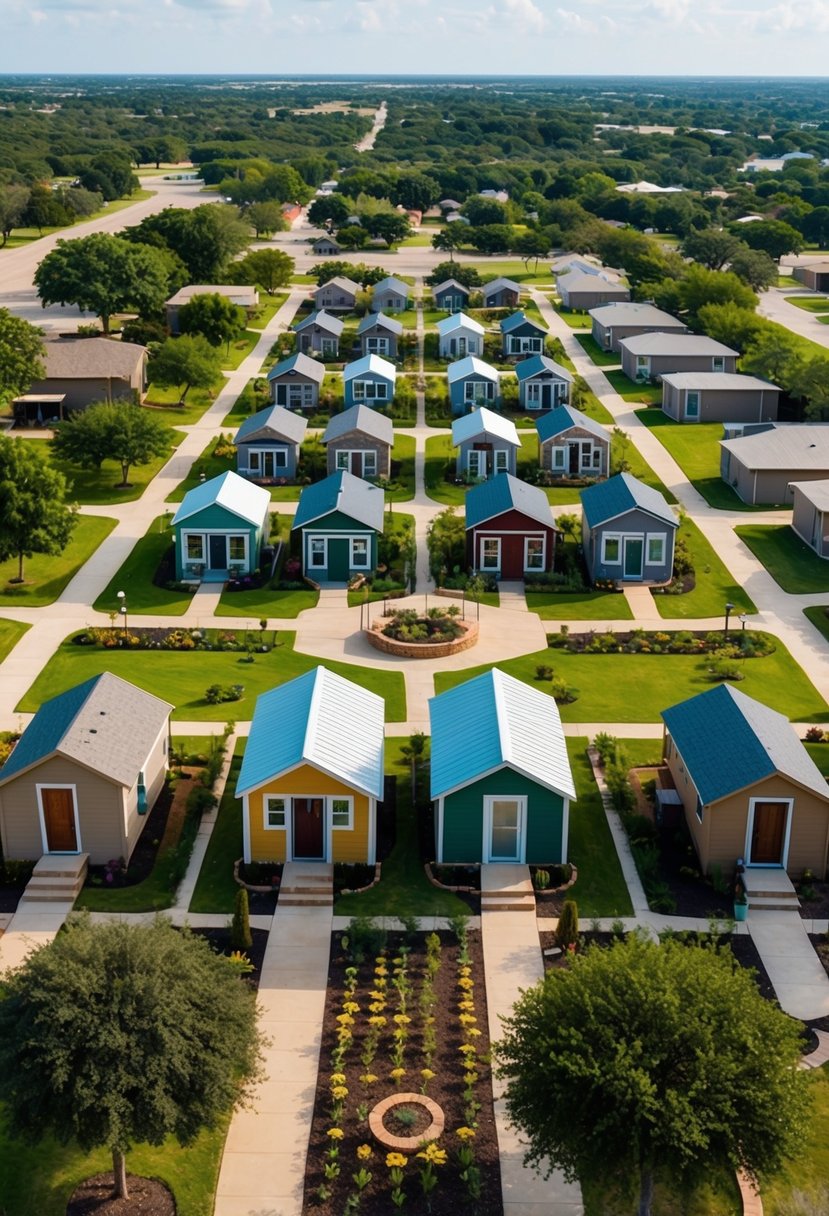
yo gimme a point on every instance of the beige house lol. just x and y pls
(245, 297)
(810, 514)
(80, 371)
(749, 788)
(85, 773)
(814, 275)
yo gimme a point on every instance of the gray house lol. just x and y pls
(521, 336)
(451, 295)
(379, 335)
(487, 444)
(542, 383)
(319, 334)
(326, 247)
(295, 382)
(472, 383)
(390, 295)
(572, 445)
(79, 371)
(647, 356)
(718, 397)
(337, 295)
(501, 293)
(581, 290)
(628, 531)
(267, 444)
(360, 441)
(814, 275)
(810, 514)
(459, 336)
(612, 322)
(761, 467)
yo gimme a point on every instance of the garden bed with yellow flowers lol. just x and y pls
(405, 1019)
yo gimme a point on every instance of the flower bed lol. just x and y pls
(740, 645)
(405, 1019)
(440, 632)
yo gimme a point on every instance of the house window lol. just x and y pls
(559, 457)
(656, 550)
(611, 550)
(370, 390)
(253, 462)
(359, 553)
(194, 547)
(237, 548)
(275, 815)
(318, 552)
(369, 463)
(328, 346)
(533, 396)
(597, 458)
(534, 553)
(343, 460)
(491, 553)
(280, 458)
(342, 814)
(643, 362)
(718, 364)
(698, 808)
(501, 460)
(476, 390)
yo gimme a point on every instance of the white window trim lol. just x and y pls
(380, 390)
(353, 541)
(692, 393)
(186, 537)
(323, 540)
(521, 850)
(343, 827)
(474, 455)
(610, 561)
(652, 537)
(261, 453)
(340, 452)
(473, 389)
(490, 540)
(769, 865)
(559, 460)
(718, 363)
(500, 460)
(527, 540)
(58, 785)
(286, 810)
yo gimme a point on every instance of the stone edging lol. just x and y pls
(406, 1144)
(378, 865)
(443, 887)
(565, 886)
(249, 886)
(421, 650)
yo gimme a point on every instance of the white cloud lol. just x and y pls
(524, 16)
(574, 23)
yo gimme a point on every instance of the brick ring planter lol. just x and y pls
(405, 1144)
(421, 650)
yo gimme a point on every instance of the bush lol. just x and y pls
(567, 930)
(240, 934)
(815, 735)
(641, 829)
(199, 800)
(363, 939)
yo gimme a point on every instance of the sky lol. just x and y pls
(534, 37)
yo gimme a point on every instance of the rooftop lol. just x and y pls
(360, 418)
(609, 499)
(343, 492)
(484, 422)
(506, 493)
(230, 491)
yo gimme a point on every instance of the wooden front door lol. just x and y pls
(309, 829)
(59, 820)
(768, 833)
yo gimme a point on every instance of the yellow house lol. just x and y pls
(312, 772)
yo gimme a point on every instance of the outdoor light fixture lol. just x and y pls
(122, 600)
(729, 608)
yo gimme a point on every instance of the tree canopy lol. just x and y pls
(114, 1034)
(103, 274)
(270, 268)
(33, 508)
(646, 1061)
(21, 355)
(103, 431)
(213, 316)
(184, 363)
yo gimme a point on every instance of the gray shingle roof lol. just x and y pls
(360, 418)
(273, 422)
(91, 358)
(623, 312)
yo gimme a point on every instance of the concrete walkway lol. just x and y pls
(796, 973)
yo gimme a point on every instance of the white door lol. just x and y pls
(505, 823)
(476, 463)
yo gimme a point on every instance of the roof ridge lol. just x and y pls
(312, 720)
(93, 682)
(501, 715)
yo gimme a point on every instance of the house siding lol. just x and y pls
(389, 351)
(722, 405)
(558, 392)
(335, 299)
(389, 301)
(513, 528)
(374, 378)
(581, 301)
(633, 523)
(463, 818)
(338, 568)
(100, 812)
(810, 524)
(490, 445)
(450, 346)
(505, 298)
(580, 435)
(461, 406)
(451, 300)
(80, 393)
(309, 341)
(358, 441)
(661, 365)
(281, 386)
(306, 781)
(766, 485)
(243, 451)
(215, 519)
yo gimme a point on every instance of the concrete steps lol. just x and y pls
(307, 885)
(57, 879)
(506, 888)
(770, 891)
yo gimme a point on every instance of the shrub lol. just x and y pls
(563, 693)
(815, 735)
(541, 880)
(364, 938)
(640, 828)
(543, 672)
(567, 930)
(240, 934)
(199, 800)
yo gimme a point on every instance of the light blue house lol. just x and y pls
(295, 382)
(267, 444)
(390, 295)
(369, 381)
(500, 774)
(628, 531)
(220, 528)
(487, 444)
(522, 336)
(542, 383)
(472, 384)
(459, 336)
(338, 521)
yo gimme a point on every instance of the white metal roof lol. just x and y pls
(484, 422)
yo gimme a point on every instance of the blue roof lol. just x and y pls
(341, 491)
(516, 320)
(729, 741)
(46, 729)
(609, 499)
(563, 418)
(506, 493)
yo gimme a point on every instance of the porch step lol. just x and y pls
(770, 891)
(305, 901)
(506, 888)
(57, 879)
(508, 903)
(307, 885)
(772, 903)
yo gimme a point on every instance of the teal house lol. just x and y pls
(338, 521)
(501, 779)
(220, 528)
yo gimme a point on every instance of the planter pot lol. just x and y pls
(740, 911)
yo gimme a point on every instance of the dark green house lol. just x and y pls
(501, 780)
(220, 527)
(339, 520)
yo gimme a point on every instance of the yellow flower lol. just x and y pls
(470, 1078)
(368, 1078)
(465, 1133)
(396, 1161)
(427, 1074)
(397, 1073)
(381, 983)
(433, 1154)
(466, 983)
(382, 972)
(351, 1007)
(345, 1019)
(338, 1078)
(398, 961)
(465, 969)
(377, 1006)
(336, 1133)
(364, 1151)
(339, 1092)
(467, 1019)
(467, 1005)
(402, 1019)
(377, 996)
(381, 958)
(466, 1049)
(474, 1033)
(430, 1021)
(377, 1020)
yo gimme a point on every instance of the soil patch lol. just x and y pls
(146, 849)
(147, 1197)
(817, 908)
(10, 896)
(220, 941)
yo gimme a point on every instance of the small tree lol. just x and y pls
(240, 934)
(120, 1033)
(567, 930)
(21, 355)
(270, 268)
(265, 218)
(214, 317)
(184, 363)
(446, 540)
(103, 431)
(645, 1061)
(33, 510)
(103, 274)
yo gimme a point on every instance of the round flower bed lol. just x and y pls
(432, 1129)
(438, 633)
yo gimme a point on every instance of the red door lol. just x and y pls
(768, 833)
(309, 829)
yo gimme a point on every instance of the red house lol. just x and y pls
(510, 530)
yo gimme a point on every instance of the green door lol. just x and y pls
(634, 552)
(338, 559)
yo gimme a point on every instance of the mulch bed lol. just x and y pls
(10, 896)
(146, 849)
(147, 1197)
(817, 908)
(220, 941)
(445, 1088)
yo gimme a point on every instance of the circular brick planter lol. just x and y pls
(405, 1144)
(422, 650)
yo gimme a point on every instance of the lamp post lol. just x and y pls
(122, 602)
(742, 619)
(729, 608)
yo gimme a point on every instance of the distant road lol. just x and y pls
(368, 141)
(17, 266)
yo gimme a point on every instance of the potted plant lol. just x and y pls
(740, 900)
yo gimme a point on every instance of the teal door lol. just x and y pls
(338, 559)
(634, 552)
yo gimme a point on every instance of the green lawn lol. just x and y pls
(601, 889)
(38, 1180)
(641, 394)
(100, 487)
(216, 887)
(788, 559)
(240, 349)
(513, 269)
(248, 402)
(25, 236)
(602, 358)
(716, 1196)
(636, 687)
(439, 450)
(696, 449)
(165, 403)
(813, 304)
(576, 320)
(135, 578)
(269, 306)
(47, 576)
(266, 603)
(182, 676)
(207, 463)
(10, 634)
(403, 453)
(715, 586)
(404, 889)
(811, 1171)
(578, 606)
(819, 616)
